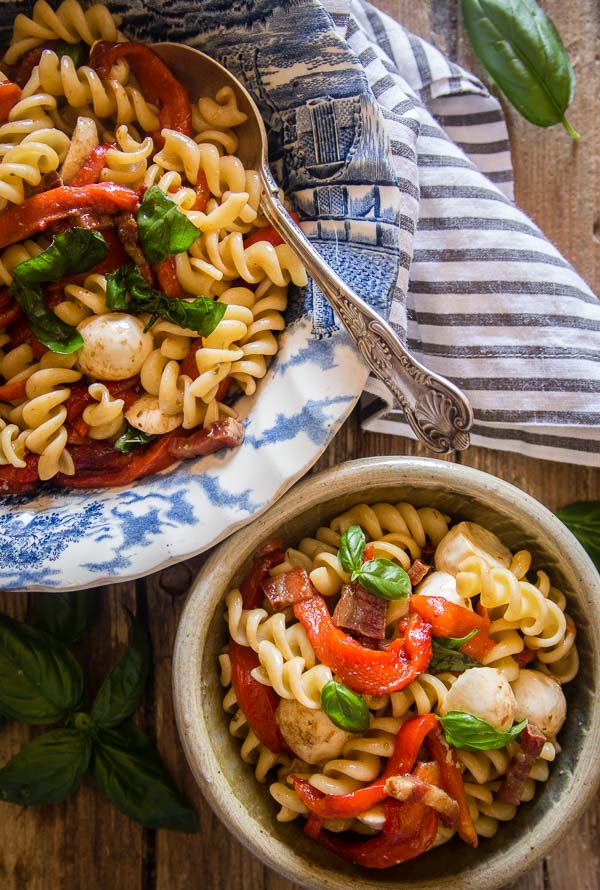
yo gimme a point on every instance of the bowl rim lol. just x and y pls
(189, 648)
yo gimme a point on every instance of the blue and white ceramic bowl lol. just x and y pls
(329, 151)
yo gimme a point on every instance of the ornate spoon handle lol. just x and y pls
(438, 412)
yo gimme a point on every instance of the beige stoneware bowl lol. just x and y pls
(229, 785)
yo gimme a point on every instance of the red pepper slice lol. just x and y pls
(11, 391)
(188, 365)
(17, 479)
(35, 213)
(80, 396)
(21, 333)
(409, 830)
(166, 272)
(452, 782)
(525, 657)
(92, 167)
(451, 620)
(268, 234)
(409, 739)
(10, 94)
(257, 701)
(158, 85)
(8, 316)
(202, 192)
(367, 671)
(251, 586)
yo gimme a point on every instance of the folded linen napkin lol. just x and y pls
(489, 302)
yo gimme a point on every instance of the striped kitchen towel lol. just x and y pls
(482, 296)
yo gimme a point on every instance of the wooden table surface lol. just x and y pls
(85, 843)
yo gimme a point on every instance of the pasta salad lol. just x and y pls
(142, 287)
(396, 679)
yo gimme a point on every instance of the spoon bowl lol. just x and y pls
(437, 411)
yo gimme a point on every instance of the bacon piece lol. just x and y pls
(413, 788)
(532, 741)
(288, 589)
(360, 611)
(127, 228)
(220, 434)
(417, 571)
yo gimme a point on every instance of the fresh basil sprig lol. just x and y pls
(345, 708)
(464, 730)
(47, 770)
(380, 576)
(447, 655)
(583, 519)
(521, 49)
(75, 251)
(131, 438)
(126, 289)
(65, 616)
(41, 682)
(163, 229)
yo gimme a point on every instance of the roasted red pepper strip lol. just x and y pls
(452, 782)
(18, 479)
(409, 830)
(11, 391)
(10, 94)
(409, 739)
(202, 191)
(367, 671)
(20, 333)
(80, 397)
(10, 315)
(166, 273)
(188, 365)
(451, 620)
(158, 85)
(35, 213)
(268, 234)
(251, 586)
(93, 165)
(257, 701)
(525, 657)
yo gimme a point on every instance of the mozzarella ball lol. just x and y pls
(541, 700)
(309, 732)
(115, 346)
(145, 415)
(469, 539)
(485, 693)
(441, 584)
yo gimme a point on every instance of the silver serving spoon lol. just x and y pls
(438, 412)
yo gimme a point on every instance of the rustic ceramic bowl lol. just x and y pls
(246, 807)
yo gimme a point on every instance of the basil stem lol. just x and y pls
(464, 730)
(345, 708)
(521, 49)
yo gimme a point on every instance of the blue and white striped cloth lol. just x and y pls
(482, 296)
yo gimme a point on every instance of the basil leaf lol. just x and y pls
(384, 578)
(345, 708)
(521, 49)
(74, 251)
(201, 314)
(76, 51)
(131, 438)
(163, 229)
(352, 546)
(47, 770)
(128, 770)
(65, 616)
(122, 690)
(40, 680)
(583, 519)
(467, 731)
(446, 656)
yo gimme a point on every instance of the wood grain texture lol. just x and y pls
(86, 844)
